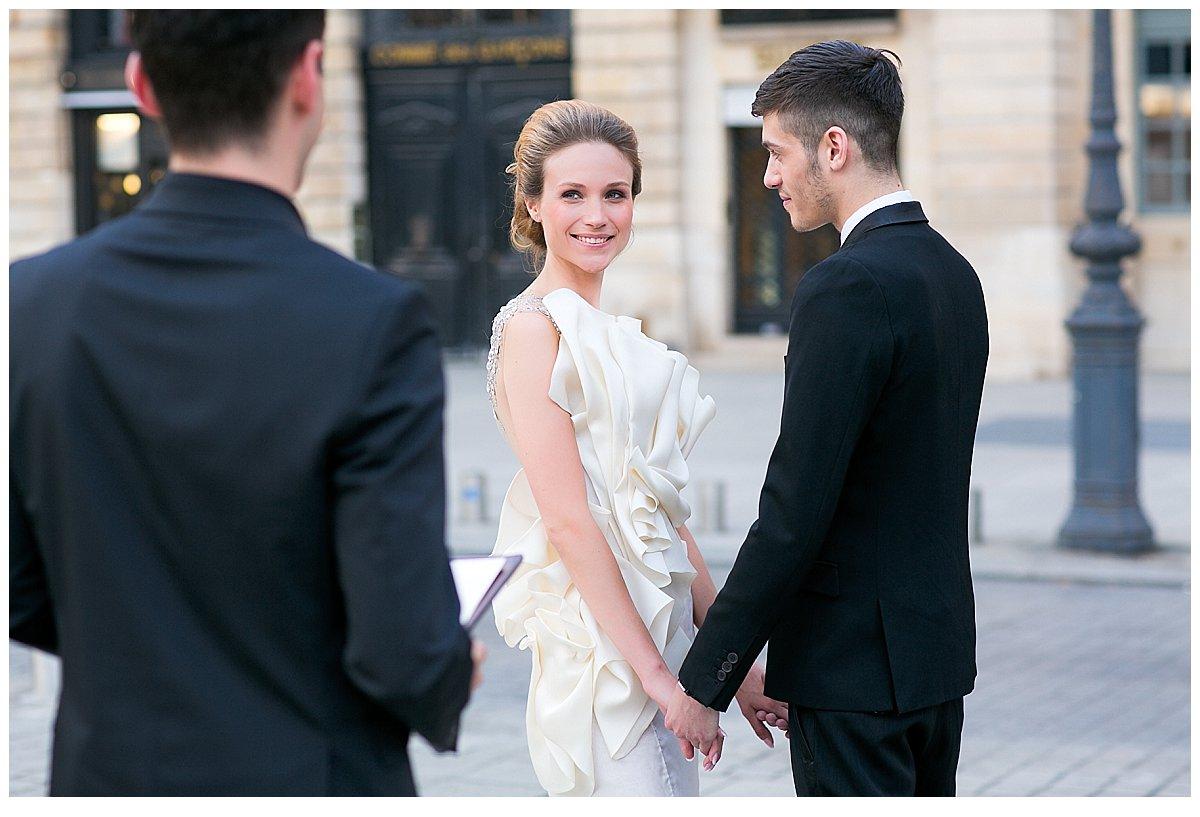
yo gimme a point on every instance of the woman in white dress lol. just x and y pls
(601, 418)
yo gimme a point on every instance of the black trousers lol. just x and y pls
(876, 754)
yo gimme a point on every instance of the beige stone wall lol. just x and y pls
(40, 193)
(335, 180)
(1004, 169)
(992, 145)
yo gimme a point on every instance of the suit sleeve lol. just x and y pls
(30, 612)
(405, 648)
(838, 360)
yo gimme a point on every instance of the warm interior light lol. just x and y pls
(132, 184)
(120, 124)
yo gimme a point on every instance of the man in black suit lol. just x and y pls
(857, 569)
(226, 480)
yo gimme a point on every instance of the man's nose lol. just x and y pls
(771, 177)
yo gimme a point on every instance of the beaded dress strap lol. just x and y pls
(522, 303)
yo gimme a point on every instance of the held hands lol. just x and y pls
(695, 725)
(760, 710)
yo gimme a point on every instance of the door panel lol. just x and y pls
(416, 123)
(439, 142)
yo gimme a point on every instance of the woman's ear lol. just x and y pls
(532, 208)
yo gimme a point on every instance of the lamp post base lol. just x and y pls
(1120, 530)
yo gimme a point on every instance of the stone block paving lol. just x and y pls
(1083, 690)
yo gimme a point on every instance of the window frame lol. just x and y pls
(1155, 24)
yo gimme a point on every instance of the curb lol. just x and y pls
(1169, 567)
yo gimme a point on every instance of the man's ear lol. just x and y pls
(139, 85)
(836, 147)
(304, 85)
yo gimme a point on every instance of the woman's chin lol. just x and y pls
(593, 264)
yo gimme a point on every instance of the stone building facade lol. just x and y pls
(992, 145)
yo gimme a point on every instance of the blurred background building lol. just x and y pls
(423, 108)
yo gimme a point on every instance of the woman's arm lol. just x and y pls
(704, 591)
(756, 707)
(544, 438)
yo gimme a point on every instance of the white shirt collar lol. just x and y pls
(871, 207)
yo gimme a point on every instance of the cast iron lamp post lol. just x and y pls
(1105, 327)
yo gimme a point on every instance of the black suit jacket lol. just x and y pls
(857, 569)
(227, 507)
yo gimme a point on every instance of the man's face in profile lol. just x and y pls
(793, 173)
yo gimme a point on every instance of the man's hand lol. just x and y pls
(478, 656)
(760, 710)
(695, 725)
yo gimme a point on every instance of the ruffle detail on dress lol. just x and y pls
(637, 412)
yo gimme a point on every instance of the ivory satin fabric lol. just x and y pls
(637, 412)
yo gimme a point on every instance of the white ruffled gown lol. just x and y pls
(637, 412)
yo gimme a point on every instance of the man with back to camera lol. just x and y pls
(857, 568)
(226, 475)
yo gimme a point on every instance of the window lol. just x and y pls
(1164, 110)
(769, 257)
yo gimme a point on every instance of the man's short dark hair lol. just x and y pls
(217, 74)
(838, 83)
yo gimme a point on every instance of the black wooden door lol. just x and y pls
(440, 139)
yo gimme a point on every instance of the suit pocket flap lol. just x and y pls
(822, 578)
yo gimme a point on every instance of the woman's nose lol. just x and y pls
(594, 217)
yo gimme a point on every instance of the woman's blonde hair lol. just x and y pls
(551, 128)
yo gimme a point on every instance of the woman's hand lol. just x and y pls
(760, 710)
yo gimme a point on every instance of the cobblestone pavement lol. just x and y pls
(1082, 690)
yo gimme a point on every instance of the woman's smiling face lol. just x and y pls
(586, 207)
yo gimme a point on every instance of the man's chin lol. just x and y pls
(806, 227)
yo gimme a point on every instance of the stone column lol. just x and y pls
(40, 194)
(335, 180)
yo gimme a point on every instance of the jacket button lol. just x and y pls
(732, 657)
(720, 675)
(726, 666)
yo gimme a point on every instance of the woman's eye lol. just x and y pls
(616, 194)
(571, 194)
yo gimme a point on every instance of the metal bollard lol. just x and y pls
(710, 506)
(472, 497)
(975, 516)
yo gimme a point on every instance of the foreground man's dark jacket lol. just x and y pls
(227, 507)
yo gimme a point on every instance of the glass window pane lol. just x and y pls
(117, 142)
(1158, 59)
(1158, 144)
(1157, 100)
(1159, 188)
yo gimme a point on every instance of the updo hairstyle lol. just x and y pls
(551, 128)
